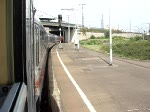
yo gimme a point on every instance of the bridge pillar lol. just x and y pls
(72, 32)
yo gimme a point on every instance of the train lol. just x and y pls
(24, 50)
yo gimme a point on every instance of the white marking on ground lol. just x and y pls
(129, 110)
(90, 58)
(132, 110)
(83, 96)
(99, 67)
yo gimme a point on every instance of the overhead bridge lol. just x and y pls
(67, 29)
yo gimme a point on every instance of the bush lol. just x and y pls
(106, 34)
(118, 38)
(136, 50)
(126, 48)
(92, 37)
(136, 38)
(102, 37)
(83, 42)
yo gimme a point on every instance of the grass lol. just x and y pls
(93, 47)
(129, 48)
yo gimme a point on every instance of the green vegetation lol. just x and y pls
(92, 30)
(96, 30)
(106, 34)
(83, 30)
(133, 48)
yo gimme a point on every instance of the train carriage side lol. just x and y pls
(12, 55)
(24, 47)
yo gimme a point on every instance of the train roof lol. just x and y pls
(38, 22)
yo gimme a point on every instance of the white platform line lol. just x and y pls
(83, 96)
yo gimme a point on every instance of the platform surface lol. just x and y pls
(122, 87)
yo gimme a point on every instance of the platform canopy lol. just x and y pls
(47, 19)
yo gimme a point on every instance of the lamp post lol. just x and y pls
(60, 22)
(60, 34)
(68, 23)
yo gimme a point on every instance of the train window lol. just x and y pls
(37, 46)
(34, 45)
(41, 35)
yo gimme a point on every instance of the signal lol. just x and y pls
(60, 19)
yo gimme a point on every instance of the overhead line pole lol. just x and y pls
(82, 15)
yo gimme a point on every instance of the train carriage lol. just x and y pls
(24, 49)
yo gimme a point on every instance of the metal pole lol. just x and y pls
(82, 15)
(143, 34)
(130, 30)
(68, 30)
(110, 34)
(60, 34)
(149, 28)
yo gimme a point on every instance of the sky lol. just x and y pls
(124, 14)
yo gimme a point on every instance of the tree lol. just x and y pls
(83, 30)
(106, 34)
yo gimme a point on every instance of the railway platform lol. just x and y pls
(83, 81)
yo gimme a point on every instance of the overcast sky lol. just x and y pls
(121, 12)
